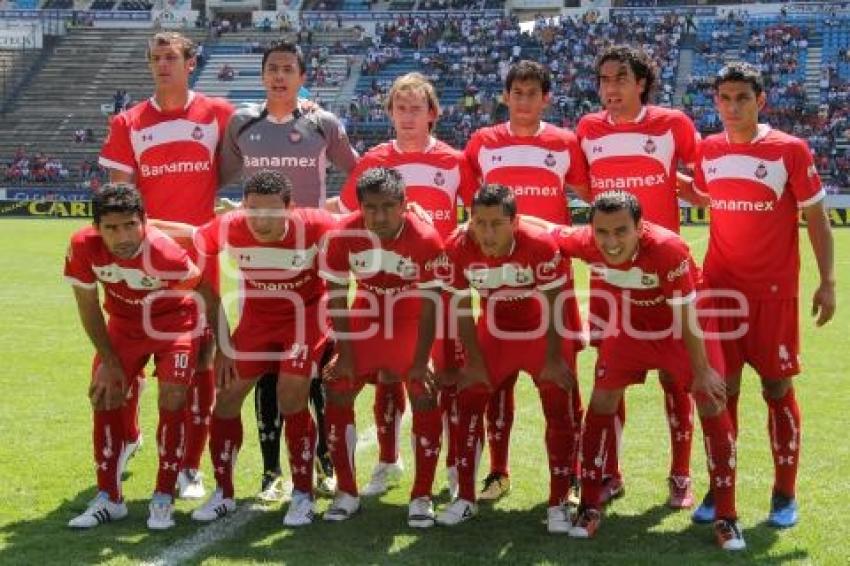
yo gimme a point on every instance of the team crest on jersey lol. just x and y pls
(148, 282)
(647, 280)
(439, 179)
(406, 268)
(197, 133)
(294, 137)
(522, 278)
(761, 171)
(550, 160)
(649, 146)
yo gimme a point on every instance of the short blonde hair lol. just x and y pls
(163, 38)
(417, 83)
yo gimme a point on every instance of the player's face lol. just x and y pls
(266, 216)
(122, 233)
(383, 215)
(738, 106)
(616, 235)
(493, 230)
(526, 102)
(619, 89)
(282, 76)
(169, 67)
(411, 116)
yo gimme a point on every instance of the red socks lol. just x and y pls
(471, 404)
(560, 439)
(425, 437)
(719, 438)
(500, 421)
(595, 448)
(225, 441)
(448, 409)
(342, 440)
(108, 441)
(170, 443)
(680, 417)
(784, 424)
(199, 403)
(390, 403)
(300, 432)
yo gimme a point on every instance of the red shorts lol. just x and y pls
(174, 357)
(771, 341)
(447, 351)
(292, 347)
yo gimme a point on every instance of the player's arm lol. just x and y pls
(340, 153)
(338, 312)
(118, 176)
(582, 191)
(225, 368)
(555, 368)
(230, 163)
(108, 383)
(117, 154)
(180, 232)
(332, 205)
(425, 337)
(706, 380)
(687, 191)
(820, 236)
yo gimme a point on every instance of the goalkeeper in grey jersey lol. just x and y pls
(279, 135)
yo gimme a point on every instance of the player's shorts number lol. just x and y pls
(181, 360)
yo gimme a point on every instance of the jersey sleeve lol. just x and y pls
(687, 139)
(551, 271)
(230, 165)
(454, 277)
(182, 273)
(803, 179)
(473, 147)
(700, 185)
(577, 174)
(78, 271)
(468, 181)
(572, 240)
(333, 265)
(678, 273)
(340, 153)
(430, 256)
(207, 238)
(117, 151)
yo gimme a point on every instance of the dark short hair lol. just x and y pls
(638, 60)
(494, 194)
(284, 47)
(614, 201)
(740, 72)
(380, 181)
(121, 198)
(526, 70)
(268, 182)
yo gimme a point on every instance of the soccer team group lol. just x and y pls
(442, 315)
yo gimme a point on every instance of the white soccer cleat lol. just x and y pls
(301, 510)
(420, 513)
(384, 476)
(190, 484)
(101, 510)
(217, 506)
(343, 507)
(453, 482)
(130, 449)
(558, 519)
(458, 512)
(161, 509)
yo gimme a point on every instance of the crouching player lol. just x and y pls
(519, 275)
(147, 279)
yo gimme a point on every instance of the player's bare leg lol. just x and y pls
(679, 406)
(300, 431)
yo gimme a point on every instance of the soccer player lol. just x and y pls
(147, 279)
(756, 180)
(279, 135)
(168, 146)
(649, 277)
(519, 274)
(390, 327)
(436, 177)
(538, 162)
(635, 146)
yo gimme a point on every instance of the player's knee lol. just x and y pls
(605, 401)
(423, 401)
(707, 410)
(172, 397)
(776, 388)
(292, 394)
(339, 397)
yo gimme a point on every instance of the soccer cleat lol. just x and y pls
(573, 495)
(190, 484)
(343, 508)
(558, 519)
(453, 482)
(586, 523)
(420, 513)
(613, 487)
(783, 511)
(496, 486)
(728, 535)
(325, 480)
(705, 512)
(271, 488)
(681, 493)
(301, 510)
(384, 476)
(130, 449)
(161, 509)
(100, 510)
(459, 511)
(217, 506)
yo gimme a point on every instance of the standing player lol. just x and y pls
(435, 176)
(144, 275)
(538, 162)
(390, 327)
(650, 276)
(519, 274)
(277, 135)
(168, 146)
(756, 180)
(636, 147)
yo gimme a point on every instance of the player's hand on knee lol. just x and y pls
(108, 387)
(823, 303)
(709, 383)
(424, 375)
(556, 370)
(225, 370)
(341, 366)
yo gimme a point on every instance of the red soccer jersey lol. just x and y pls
(173, 155)
(161, 265)
(661, 273)
(756, 190)
(435, 179)
(385, 268)
(536, 168)
(507, 285)
(640, 157)
(278, 278)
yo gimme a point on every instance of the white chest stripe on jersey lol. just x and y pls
(175, 131)
(632, 278)
(771, 174)
(370, 262)
(660, 148)
(422, 175)
(135, 279)
(507, 275)
(273, 258)
(528, 156)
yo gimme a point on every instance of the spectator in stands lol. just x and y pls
(226, 73)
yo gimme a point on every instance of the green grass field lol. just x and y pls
(46, 471)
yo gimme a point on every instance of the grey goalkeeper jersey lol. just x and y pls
(300, 147)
